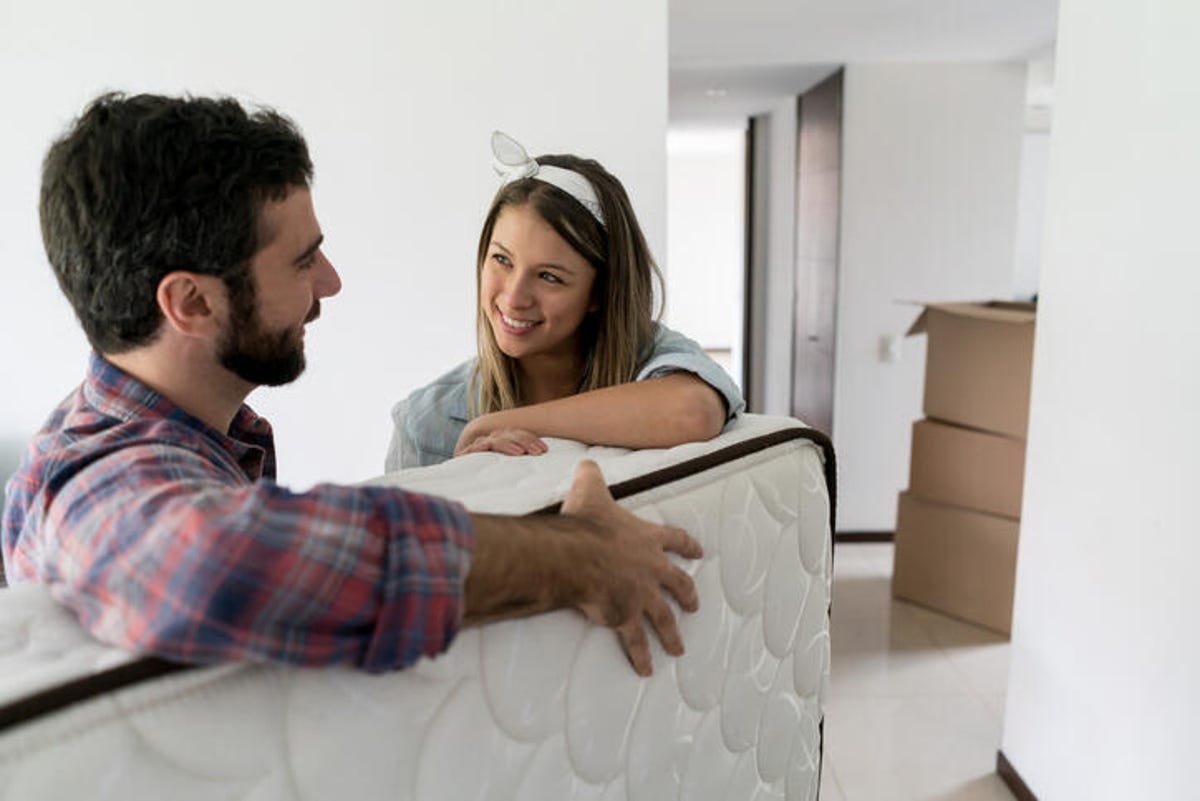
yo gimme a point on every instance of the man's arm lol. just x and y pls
(158, 550)
(157, 554)
(596, 557)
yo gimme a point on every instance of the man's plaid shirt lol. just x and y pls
(168, 537)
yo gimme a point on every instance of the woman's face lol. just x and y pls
(534, 288)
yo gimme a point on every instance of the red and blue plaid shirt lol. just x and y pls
(168, 537)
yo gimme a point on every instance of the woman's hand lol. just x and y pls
(480, 436)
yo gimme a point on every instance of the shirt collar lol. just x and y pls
(115, 393)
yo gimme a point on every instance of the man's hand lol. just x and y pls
(628, 568)
(596, 557)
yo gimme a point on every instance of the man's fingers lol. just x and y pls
(676, 540)
(634, 570)
(588, 472)
(681, 586)
(587, 490)
(663, 620)
(637, 646)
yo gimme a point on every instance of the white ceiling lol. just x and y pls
(732, 58)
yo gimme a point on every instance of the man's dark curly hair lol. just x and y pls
(140, 186)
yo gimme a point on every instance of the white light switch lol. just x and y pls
(889, 348)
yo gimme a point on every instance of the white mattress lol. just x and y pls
(545, 707)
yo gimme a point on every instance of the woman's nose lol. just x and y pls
(518, 289)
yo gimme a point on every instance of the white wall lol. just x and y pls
(397, 100)
(929, 195)
(1103, 693)
(706, 220)
(1031, 213)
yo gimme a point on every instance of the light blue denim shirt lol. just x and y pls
(428, 423)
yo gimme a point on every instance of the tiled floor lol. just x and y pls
(916, 698)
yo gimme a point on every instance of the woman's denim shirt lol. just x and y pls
(428, 423)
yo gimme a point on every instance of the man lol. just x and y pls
(182, 231)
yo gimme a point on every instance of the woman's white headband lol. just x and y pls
(512, 163)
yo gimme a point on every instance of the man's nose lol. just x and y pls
(326, 281)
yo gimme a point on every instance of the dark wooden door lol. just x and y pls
(818, 221)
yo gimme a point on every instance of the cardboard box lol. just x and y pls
(965, 467)
(956, 561)
(978, 363)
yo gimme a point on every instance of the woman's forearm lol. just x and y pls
(655, 413)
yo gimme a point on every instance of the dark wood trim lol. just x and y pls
(1012, 780)
(864, 536)
(748, 287)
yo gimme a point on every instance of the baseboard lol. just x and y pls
(864, 536)
(1012, 780)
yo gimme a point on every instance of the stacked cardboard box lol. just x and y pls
(957, 524)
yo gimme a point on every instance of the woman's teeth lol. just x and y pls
(516, 323)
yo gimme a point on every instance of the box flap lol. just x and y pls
(998, 311)
(918, 326)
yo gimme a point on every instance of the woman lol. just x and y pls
(568, 346)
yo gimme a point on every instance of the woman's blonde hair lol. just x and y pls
(617, 336)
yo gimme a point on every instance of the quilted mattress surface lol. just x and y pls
(541, 708)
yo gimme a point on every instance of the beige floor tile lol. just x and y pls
(861, 597)
(894, 674)
(985, 788)
(868, 558)
(915, 747)
(888, 655)
(950, 631)
(981, 656)
(916, 698)
(888, 629)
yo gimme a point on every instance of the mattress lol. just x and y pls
(542, 707)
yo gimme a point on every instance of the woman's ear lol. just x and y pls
(192, 304)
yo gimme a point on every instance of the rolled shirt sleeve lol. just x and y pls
(164, 556)
(673, 353)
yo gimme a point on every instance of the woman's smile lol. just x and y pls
(516, 325)
(536, 287)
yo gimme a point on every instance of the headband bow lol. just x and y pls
(512, 163)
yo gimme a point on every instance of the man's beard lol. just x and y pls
(259, 356)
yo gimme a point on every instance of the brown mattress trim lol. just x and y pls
(86, 688)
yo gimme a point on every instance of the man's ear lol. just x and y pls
(192, 304)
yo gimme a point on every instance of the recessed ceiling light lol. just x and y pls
(715, 92)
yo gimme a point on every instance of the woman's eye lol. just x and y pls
(550, 277)
(501, 259)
